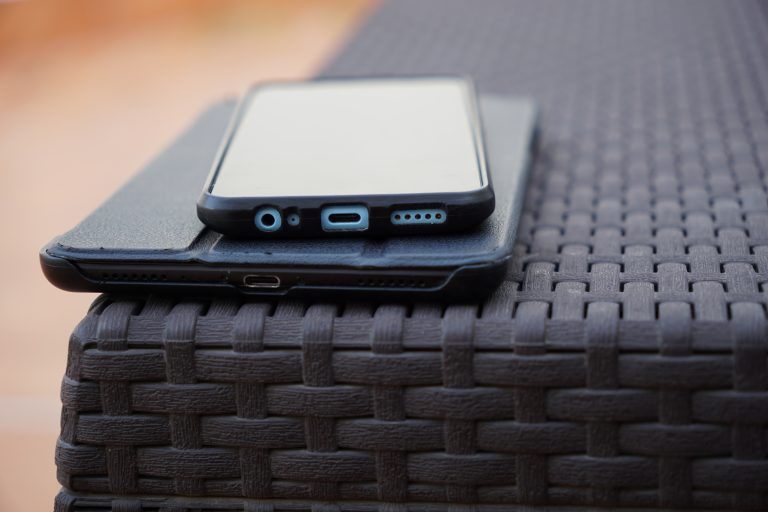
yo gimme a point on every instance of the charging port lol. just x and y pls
(344, 218)
(337, 218)
(261, 281)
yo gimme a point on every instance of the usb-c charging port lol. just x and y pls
(261, 281)
(344, 218)
(335, 218)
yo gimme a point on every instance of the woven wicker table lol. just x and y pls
(623, 363)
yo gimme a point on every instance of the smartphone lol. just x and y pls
(390, 156)
(145, 240)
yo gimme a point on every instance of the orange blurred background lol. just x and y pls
(90, 91)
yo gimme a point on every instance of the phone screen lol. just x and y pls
(354, 137)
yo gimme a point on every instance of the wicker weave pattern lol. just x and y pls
(624, 361)
(392, 404)
(68, 501)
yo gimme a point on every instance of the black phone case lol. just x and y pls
(147, 237)
(234, 216)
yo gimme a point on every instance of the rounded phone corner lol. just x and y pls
(217, 215)
(486, 200)
(473, 207)
(204, 207)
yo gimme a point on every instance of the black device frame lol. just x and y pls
(466, 282)
(234, 216)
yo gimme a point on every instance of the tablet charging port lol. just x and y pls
(261, 281)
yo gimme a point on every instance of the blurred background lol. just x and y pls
(89, 92)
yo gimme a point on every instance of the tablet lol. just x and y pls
(147, 237)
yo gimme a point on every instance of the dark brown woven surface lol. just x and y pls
(68, 501)
(624, 362)
(393, 404)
